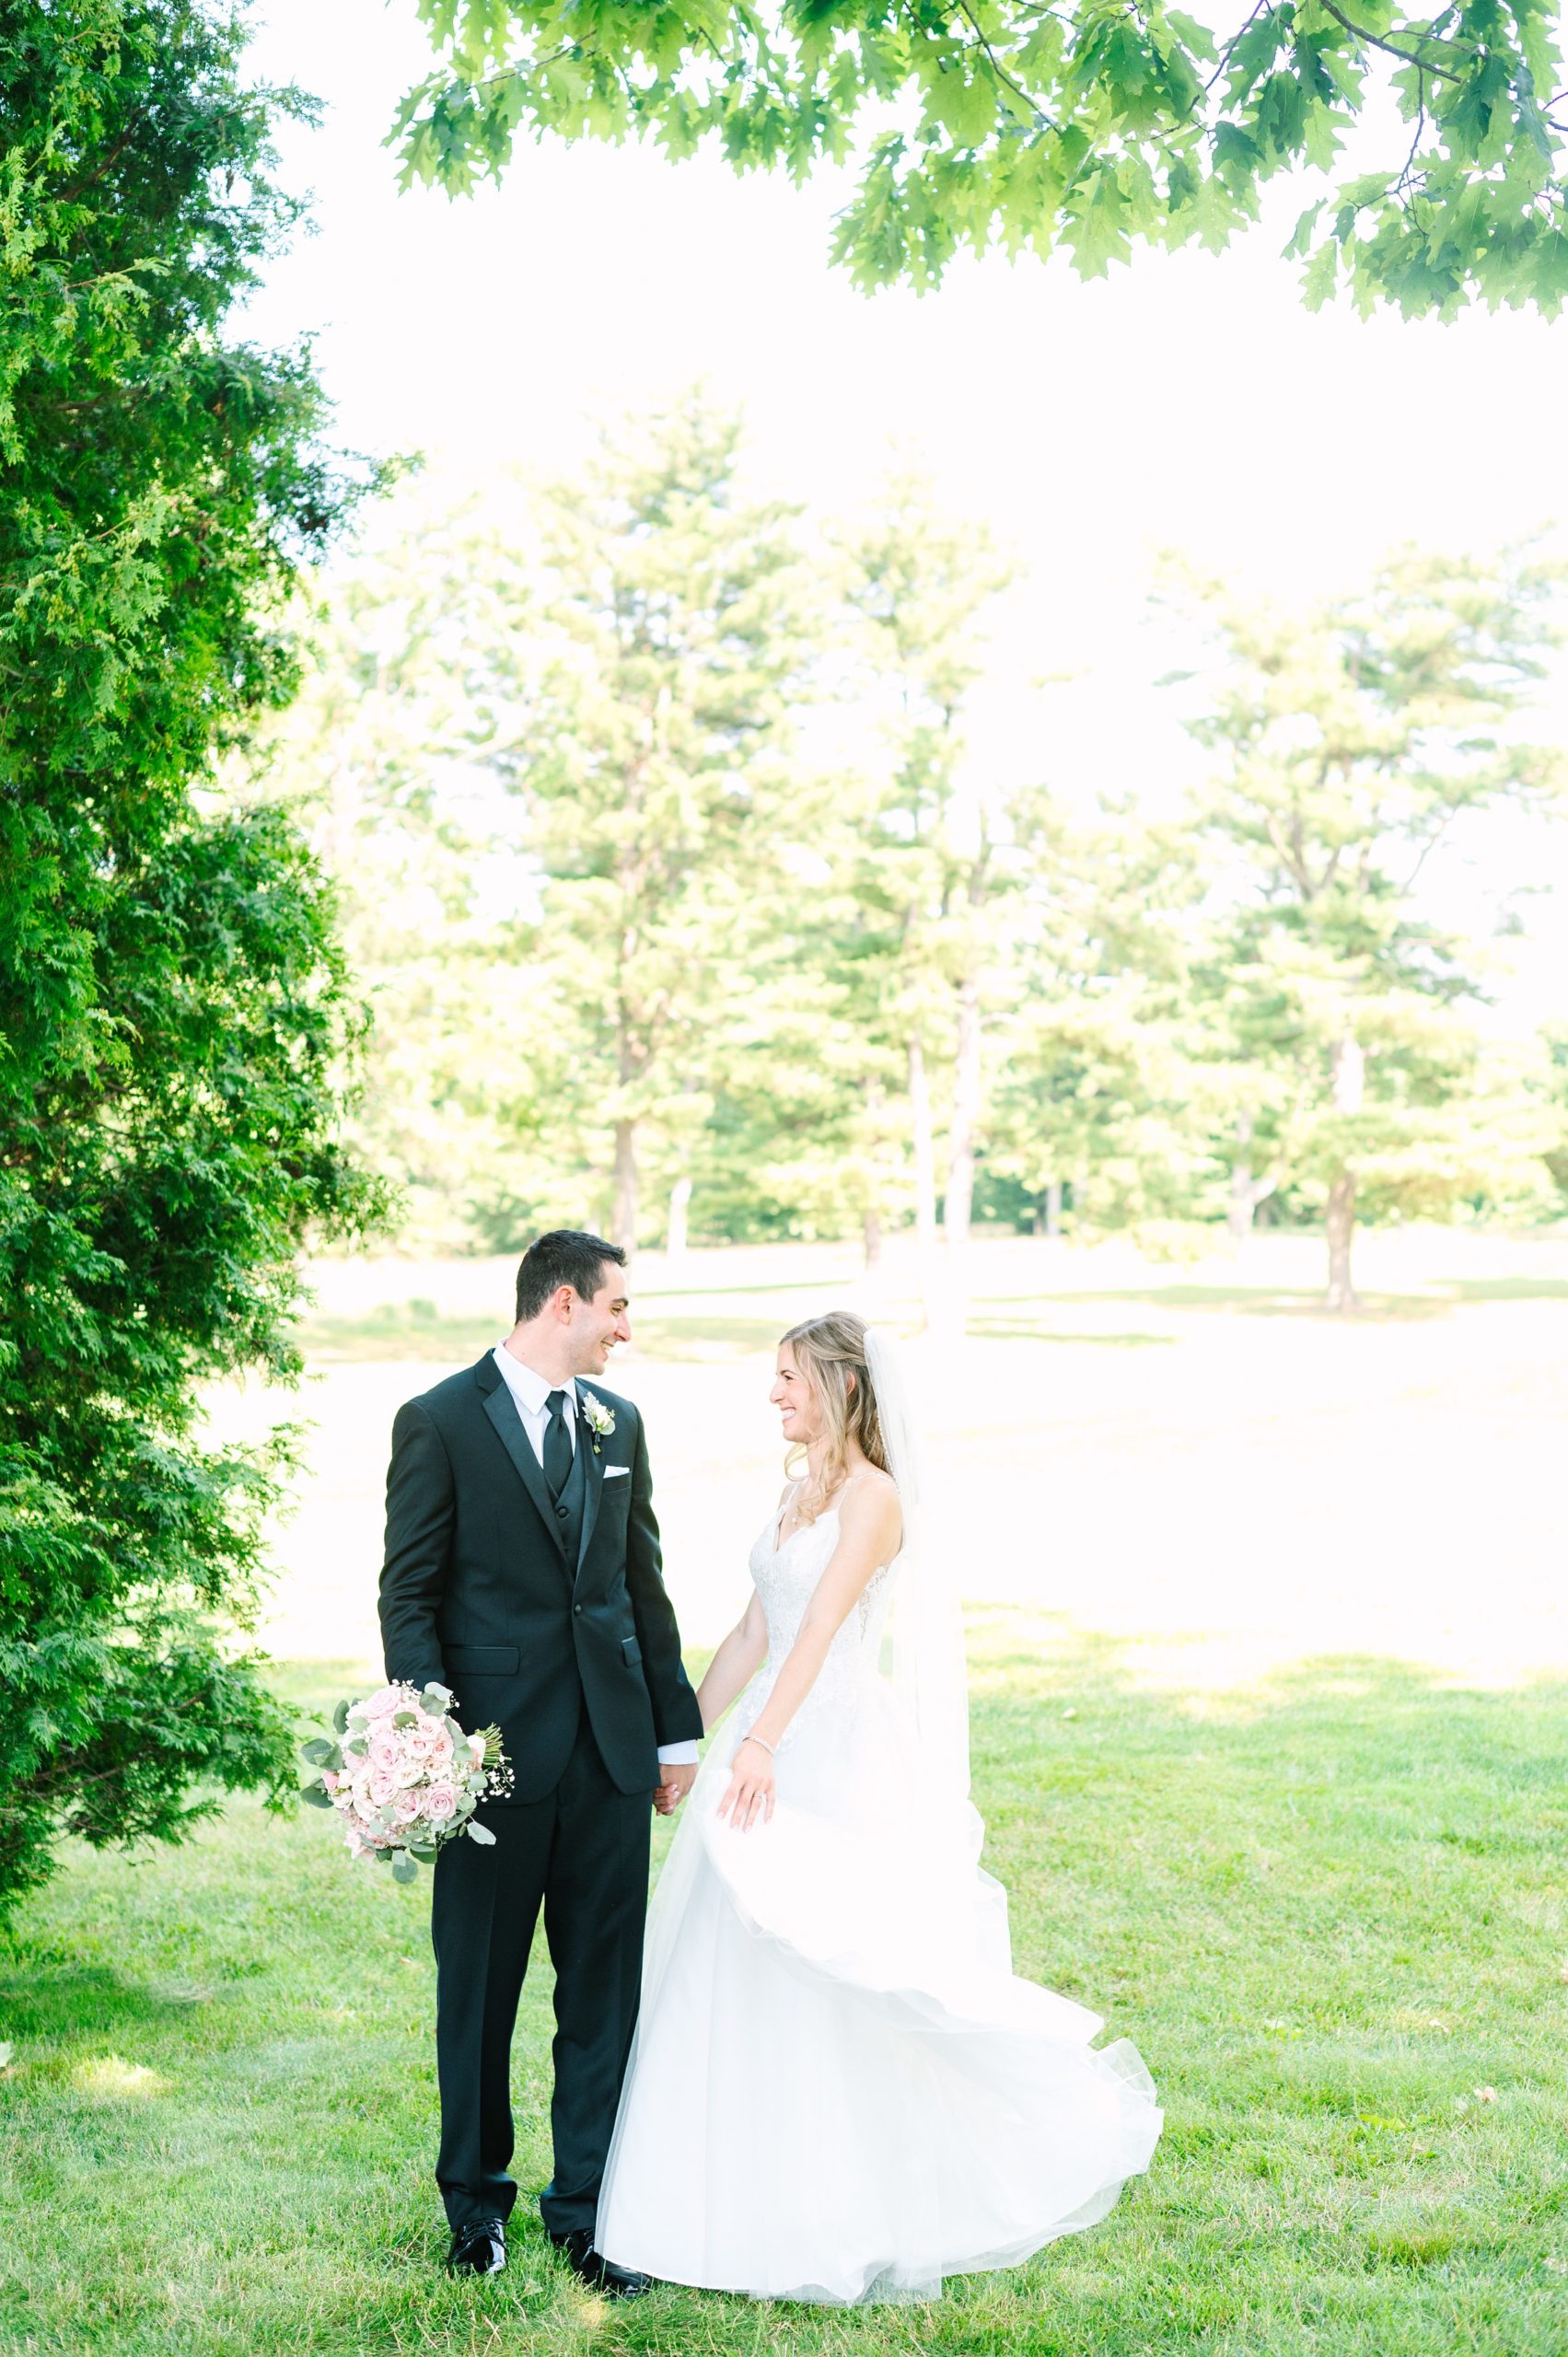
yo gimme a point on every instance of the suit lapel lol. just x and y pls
(593, 1480)
(501, 1409)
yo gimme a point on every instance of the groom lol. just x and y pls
(522, 1573)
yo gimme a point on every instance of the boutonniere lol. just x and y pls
(599, 1420)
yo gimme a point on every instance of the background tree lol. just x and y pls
(917, 845)
(998, 122)
(1552, 1083)
(1096, 1089)
(171, 997)
(642, 707)
(1350, 745)
(375, 757)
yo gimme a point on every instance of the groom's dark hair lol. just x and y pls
(567, 1255)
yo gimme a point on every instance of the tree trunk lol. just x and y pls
(871, 1216)
(1246, 1193)
(675, 1237)
(1053, 1207)
(966, 1121)
(623, 1227)
(959, 1198)
(1347, 1076)
(1239, 1218)
(1341, 1226)
(924, 1176)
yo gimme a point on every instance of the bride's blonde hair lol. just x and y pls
(830, 1354)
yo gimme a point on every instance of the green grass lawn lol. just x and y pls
(1333, 1916)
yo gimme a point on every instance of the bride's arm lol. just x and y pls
(870, 1527)
(736, 1663)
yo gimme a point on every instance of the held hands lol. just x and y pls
(749, 1793)
(676, 1783)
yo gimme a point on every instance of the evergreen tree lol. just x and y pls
(1097, 1099)
(377, 758)
(171, 996)
(642, 707)
(918, 848)
(1349, 744)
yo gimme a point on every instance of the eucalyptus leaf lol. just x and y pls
(481, 1833)
(340, 1718)
(316, 1796)
(404, 1868)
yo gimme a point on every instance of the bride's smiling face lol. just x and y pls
(799, 1410)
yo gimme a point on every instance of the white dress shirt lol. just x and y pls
(530, 1396)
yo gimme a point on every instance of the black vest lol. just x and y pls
(569, 1504)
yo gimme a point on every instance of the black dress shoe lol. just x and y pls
(478, 2248)
(600, 2274)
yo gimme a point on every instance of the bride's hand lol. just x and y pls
(749, 1793)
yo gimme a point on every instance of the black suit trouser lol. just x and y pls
(581, 1853)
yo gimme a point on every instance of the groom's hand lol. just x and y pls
(677, 1782)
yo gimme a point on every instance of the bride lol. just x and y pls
(838, 2090)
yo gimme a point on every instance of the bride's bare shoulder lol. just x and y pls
(870, 1498)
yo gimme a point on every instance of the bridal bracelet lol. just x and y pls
(762, 1740)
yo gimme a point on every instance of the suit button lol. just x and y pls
(560, 1514)
(576, 1608)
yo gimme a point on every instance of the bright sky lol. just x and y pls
(1189, 403)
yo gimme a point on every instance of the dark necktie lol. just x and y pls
(557, 1445)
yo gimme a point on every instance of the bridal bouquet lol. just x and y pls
(404, 1776)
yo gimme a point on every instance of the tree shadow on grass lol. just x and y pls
(49, 1996)
(1004, 1330)
(1484, 1769)
(1508, 1288)
(1324, 1904)
(1279, 1301)
(687, 1340)
(1254, 1302)
(396, 1330)
(416, 1332)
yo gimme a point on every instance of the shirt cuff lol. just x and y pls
(678, 1755)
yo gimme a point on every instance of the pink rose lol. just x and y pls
(386, 1751)
(381, 1704)
(440, 1803)
(330, 1779)
(382, 1785)
(440, 1749)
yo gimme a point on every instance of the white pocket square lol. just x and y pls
(615, 1472)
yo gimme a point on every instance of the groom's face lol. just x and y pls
(597, 1325)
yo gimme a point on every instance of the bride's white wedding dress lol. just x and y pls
(838, 2089)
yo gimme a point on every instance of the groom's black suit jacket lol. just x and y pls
(481, 1591)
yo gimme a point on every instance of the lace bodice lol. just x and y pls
(786, 1578)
